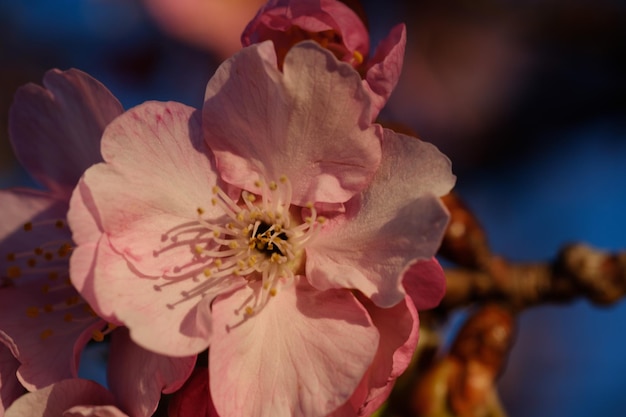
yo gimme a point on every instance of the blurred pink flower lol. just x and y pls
(215, 25)
(69, 398)
(55, 131)
(338, 28)
(246, 228)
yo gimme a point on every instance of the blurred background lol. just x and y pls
(527, 98)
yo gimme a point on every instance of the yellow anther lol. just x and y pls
(233, 244)
(200, 211)
(251, 198)
(59, 224)
(45, 334)
(321, 219)
(199, 249)
(275, 258)
(38, 251)
(309, 205)
(358, 57)
(68, 317)
(97, 335)
(28, 227)
(53, 276)
(273, 292)
(14, 272)
(215, 189)
(207, 272)
(273, 186)
(111, 326)
(216, 233)
(31, 262)
(241, 264)
(240, 216)
(48, 256)
(48, 308)
(45, 288)
(10, 257)
(32, 312)
(283, 179)
(258, 183)
(249, 310)
(214, 201)
(64, 250)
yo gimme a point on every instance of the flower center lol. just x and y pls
(259, 238)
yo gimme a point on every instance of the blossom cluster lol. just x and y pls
(277, 231)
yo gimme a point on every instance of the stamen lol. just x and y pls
(254, 240)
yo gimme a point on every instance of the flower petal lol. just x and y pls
(303, 354)
(425, 283)
(54, 400)
(309, 123)
(40, 210)
(397, 220)
(384, 68)
(10, 387)
(122, 296)
(56, 129)
(137, 377)
(399, 331)
(46, 324)
(158, 174)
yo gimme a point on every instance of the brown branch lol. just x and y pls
(579, 271)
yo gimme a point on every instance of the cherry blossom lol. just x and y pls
(55, 131)
(247, 227)
(336, 27)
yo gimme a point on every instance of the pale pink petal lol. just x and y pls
(46, 324)
(54, 400)
(10, 387)
(275, 19)
(310, 122)
(384, 68)
(184, 323)
(399, 331)
(137, 377)
(303, 354)
(399, 219)
(425, 283)
(158, 174)
(56, 129)
(18, 244)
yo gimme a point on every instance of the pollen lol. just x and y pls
(358, 57)
(260, 238)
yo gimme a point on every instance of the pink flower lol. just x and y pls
(336, 27)
(246, 229)
(68, 398)
(45, 323)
